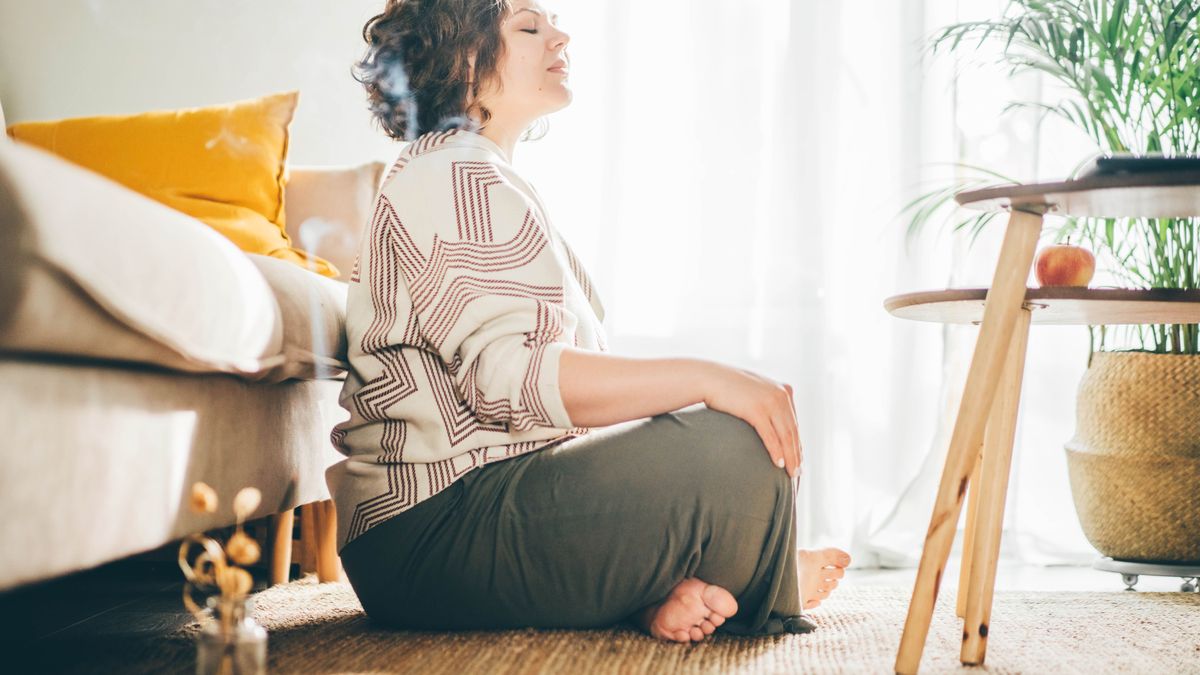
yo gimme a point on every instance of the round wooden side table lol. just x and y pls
(980, 449)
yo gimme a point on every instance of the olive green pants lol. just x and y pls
(583, 533)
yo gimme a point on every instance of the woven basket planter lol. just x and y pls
(1134, 462)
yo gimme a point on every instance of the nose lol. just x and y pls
(561, 39)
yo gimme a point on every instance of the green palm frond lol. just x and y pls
(927, 207)
(1132, 72)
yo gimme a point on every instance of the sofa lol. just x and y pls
(140, 351)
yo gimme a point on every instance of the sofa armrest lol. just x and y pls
(328, 207)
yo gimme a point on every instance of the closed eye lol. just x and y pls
(531, 31)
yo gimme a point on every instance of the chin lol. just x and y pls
(557, 104)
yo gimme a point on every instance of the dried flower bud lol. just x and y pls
(243, 582)
(246, 501)
(242, 549)
(204, 498)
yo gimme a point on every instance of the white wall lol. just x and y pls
(67, 58)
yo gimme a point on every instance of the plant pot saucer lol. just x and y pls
(1131, 570)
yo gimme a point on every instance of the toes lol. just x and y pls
(826, 557)
(836, 557)
(694, 610)
(719, 600)
(834, 573)
(812, 603)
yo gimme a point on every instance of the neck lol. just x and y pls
(505, 133)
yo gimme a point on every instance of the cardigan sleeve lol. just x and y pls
(491, 303)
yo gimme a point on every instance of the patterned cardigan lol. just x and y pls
(461, 300)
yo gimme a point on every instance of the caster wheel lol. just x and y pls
(1130, 580)
(1188, 586)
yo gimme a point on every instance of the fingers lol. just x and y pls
(777, 426)
(795, 429)
(785, 426)
(774, 419)
(787, 436)
(766, 431)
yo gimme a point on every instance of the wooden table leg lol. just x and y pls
(969, 533)
(308, 538)
(1003, 307)
(993, 488)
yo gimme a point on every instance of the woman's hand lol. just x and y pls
(765, 404)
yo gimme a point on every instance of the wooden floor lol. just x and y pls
(52, 626)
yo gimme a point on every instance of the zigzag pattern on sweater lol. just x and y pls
(406, 284)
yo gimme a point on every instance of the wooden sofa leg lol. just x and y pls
(327, 557)
(308, 539)
(281, 546)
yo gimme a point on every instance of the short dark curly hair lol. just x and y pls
(417, 68)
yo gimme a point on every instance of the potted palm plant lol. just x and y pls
(1130, 70)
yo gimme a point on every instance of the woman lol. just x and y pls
(503, 470)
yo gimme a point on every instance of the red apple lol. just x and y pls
(1065, 265)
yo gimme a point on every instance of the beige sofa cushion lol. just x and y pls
(313, 308)
(106, 262)
(56, 316)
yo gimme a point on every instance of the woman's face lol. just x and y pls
(533, 69)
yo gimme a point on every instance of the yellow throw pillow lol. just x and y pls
(223, 164)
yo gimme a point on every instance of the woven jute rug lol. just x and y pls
(320, 628)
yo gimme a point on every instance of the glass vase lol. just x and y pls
(230, 642)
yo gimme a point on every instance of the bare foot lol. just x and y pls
(691, 612)
(819, 573)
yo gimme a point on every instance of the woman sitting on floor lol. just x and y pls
(503, 469)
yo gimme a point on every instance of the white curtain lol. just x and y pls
(731, 174)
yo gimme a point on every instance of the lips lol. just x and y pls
(559, 66)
